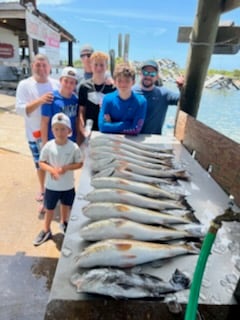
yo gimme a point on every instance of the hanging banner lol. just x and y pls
(37, 29)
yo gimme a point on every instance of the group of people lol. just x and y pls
(59, 110)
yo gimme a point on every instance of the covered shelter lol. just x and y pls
(24, 27)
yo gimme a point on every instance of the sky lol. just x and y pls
(152, 26)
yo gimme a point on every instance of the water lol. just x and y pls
(219, 109)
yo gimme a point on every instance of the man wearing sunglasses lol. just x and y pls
(85, 54)
(158, 98)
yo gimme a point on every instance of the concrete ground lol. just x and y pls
(26, 271)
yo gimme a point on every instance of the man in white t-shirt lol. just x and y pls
(30, 95)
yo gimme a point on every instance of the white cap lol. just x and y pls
(69, 72)
(61, 118)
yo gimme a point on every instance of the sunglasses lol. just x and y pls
(149, 73)
(85, 55)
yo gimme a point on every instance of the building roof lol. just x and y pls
(12, 17)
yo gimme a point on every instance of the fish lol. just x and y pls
(122, 173)
(127, 197)
(121, 146)
(174, 174)
(105, 210)
(119, 228)
(120, 283)
(128, 253)
(120, 139)
(133, 186)
(113, 151)
(96, 156)
(101, 164)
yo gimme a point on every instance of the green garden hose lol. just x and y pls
(191, 310)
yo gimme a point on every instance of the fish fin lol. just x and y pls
(179, 280)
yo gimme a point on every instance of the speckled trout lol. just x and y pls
(121, 173)
(122, 146)
(94, 153)
(103, 164)
(127, 229)
(97, 156)
(120, 139)
(105, 210)
(123, 196)
(128, 253)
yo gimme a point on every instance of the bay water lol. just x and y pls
(219, 109)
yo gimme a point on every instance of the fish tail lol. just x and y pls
(193, 247)
(182, 174)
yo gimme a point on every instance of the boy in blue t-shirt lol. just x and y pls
(122, 111)
(64, 100)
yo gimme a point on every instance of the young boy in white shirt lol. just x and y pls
(58, 158)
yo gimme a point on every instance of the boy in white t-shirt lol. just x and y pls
(58, 158)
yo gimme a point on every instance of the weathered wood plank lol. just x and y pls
(229, 5)
(225, 35)
(212, 149)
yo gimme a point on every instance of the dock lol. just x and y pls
(221, 82)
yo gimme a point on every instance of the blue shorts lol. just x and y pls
(35, 152)
(52, 197)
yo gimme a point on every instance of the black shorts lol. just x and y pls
(52, 197)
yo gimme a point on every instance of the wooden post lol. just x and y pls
(201, 47)
(70, 53)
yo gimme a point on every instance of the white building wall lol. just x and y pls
(8, 37)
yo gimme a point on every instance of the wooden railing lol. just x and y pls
(212, 150)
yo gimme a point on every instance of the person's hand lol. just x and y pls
(57, 171)
(180, 82)
(47, 98)
(55, 174)
(107, 118)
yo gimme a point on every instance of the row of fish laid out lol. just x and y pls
(136, 214)
(109, 157)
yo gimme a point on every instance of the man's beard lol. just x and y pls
(147, 83)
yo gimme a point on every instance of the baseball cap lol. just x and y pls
(61, 118)
(150, 63)
(69, 72)
(87, 48)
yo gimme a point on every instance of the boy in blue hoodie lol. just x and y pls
(122, 111)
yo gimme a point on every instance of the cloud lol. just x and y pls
(91, 20)
(116, 13)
